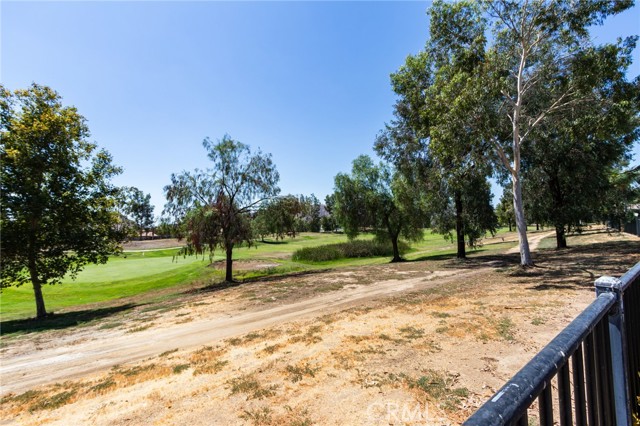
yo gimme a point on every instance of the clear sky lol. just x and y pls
(305, 81)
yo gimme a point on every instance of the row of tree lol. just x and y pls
(538, 106)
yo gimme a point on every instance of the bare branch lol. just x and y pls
(502, 155)
(508, 97)
(557, 105)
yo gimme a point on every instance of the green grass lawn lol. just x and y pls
(135, 273)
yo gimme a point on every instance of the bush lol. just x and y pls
(350, 249)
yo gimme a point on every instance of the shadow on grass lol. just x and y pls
(59, 321)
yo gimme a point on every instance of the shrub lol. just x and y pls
(350, 249)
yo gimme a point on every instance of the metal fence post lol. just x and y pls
(618, 348)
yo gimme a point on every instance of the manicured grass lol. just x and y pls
(99, 283)
(135, 273)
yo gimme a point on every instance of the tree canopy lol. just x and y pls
(138, 207)
(373, 198)
(58, 206)
(567, 170)
(436, 138)
(214, 206)
(529, 72)
(278, 217)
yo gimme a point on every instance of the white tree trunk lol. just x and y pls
(521, 223)
(518, 206)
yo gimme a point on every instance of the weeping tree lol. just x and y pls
(373, 198)
(214, 206)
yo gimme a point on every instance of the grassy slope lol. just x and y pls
(142, 272)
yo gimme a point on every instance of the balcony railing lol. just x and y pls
(588, 375)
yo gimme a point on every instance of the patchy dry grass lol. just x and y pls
(207, 360)
(441, 388)
(449, 347)
(248, 384)
(298, 372)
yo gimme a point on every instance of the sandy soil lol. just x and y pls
(153, 244)
(408, 343)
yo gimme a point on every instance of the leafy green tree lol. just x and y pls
(504, 209)
(214, 206)
(373, 198)
(567, 170)
(328, 221)
(308, 219)
(166, 228)
(278, 217)
(624, 190)
(58, 206)
(139, 209)
(436, 134)
(527, 70)
(313, 213)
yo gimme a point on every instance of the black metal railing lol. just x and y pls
(587, 375)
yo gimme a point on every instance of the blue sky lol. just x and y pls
(305, 81)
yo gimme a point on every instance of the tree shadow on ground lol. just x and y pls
(575, 267)
(60, 321)
(579, 266)
(273, 242)
(473, 260)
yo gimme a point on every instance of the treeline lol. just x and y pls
(537, 105)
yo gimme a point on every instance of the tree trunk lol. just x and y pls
(537, 226)
(510, 228)
(229, 269)
(461, 254)
(518, 207)
(561, 240)
(41, 312)
(521, 223)
(396, 250)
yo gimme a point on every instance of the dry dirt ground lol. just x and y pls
(422, 342)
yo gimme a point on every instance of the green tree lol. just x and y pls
(328, 221)
(309, 218)
(527, 70)
(373, 198)
(166, 228)
(569, 165)
(214, 206)
(504, 210)
(58, 207)
(139, 209)
(437, 127)
(278, 217)
(624, 190)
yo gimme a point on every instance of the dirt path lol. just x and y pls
(104, 349)
(534, 241)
